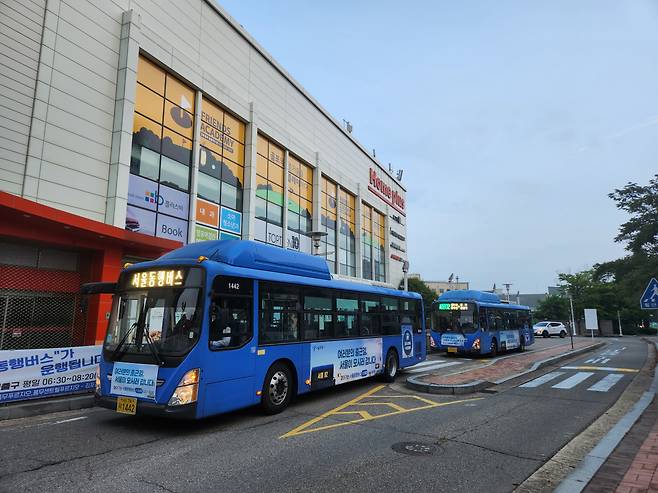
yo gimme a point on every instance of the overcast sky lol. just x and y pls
(511, 119)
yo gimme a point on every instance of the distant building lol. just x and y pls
(442, 286)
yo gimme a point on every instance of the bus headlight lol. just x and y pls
(98, 381)
(476, 344)
(187, 390)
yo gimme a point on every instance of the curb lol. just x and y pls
(478, 385)
(29, 409)
(592, 462)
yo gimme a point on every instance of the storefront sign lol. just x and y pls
(223, 235)
(268, 233)
(298, 242)
(207, 213)
(231, 221)
(385, 192)
(171, 228)
(142, 192)
(336, 362)
(202, 233)
(134, 380)
(140, 220)
(173, 202)
(34, 373)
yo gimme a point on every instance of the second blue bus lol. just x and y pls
(479, 323)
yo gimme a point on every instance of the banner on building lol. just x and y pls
(36, 373)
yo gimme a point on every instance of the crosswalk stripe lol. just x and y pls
(433, 367)
(606, 383)
(573, 380)
(429, 362)
(600, 368)
(542, 380)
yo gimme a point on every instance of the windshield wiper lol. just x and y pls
(122, 342)
(152, 348)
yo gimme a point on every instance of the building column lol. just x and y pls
(317, 194)
(387, 246)
(337, 231)
(249, 190)
(284, 219)
(122, 130)
(357, 233)
(195, 166)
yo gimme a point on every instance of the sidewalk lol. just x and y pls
(499, 370)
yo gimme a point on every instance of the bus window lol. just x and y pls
(455, 317)
(495, 319)
(318, 316)
(482, 318)
(347, 310)
(279, 313)
(390, 319)
(409, 314)
(230, 322)
(370, 316)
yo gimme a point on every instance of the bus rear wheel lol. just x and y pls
(390, 366)
(277, 389)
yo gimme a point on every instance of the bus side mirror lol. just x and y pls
(98, 288)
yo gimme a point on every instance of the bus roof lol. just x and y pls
(246, 258)
(481, 297)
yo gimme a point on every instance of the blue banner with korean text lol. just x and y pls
(36, 373)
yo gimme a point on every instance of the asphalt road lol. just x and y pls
(352, 438)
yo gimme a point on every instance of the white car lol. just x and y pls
(548, 329)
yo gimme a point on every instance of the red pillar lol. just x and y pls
(106, 267)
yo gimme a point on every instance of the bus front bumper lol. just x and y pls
(144, 408)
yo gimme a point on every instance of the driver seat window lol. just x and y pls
(230, 322)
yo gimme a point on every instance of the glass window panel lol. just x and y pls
(304, 224)
(275, 154)
(261, 166)
(306, 173)
(174, 174)
(148, 103)
(209, 163)
(146, 133)
(347, 304)
(293, 165)
(231, 197)
(233, 150)
(275, 194)
(274, 213)
(275, 173)
(176, 146)
(261, 208)
(293, 183)
(234, 127)
(144, 162)
(179, 120)
(261, 187)
(293, 203)
(233, 174)
(293, 221)
(208, 187)
(318, 302)
(150, 75)
(179, 94)
(261, 146)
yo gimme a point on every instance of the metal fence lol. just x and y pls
(40, 319)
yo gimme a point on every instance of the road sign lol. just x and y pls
(591, 320)
(649, 299)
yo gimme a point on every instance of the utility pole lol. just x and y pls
(619, 320)
(573, 319)
(507, 286)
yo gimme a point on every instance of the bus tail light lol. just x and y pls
(187, 390)
(476, 344)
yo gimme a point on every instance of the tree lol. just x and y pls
(553, 307)
(641, 230)
(429, 295)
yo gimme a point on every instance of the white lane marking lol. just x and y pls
(602, 368)
(604, 361)
(606, 383)
(69, 420)
(542, 380)
(428, 362)
(573, 380)
(435, 367)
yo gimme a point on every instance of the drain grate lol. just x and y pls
(415, 448)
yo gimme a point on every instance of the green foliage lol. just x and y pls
(641, 230)
(553, 307)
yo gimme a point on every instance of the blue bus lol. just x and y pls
(220, 325)
(475, 322)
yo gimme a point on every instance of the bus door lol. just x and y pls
(229, 368)
(414, 342)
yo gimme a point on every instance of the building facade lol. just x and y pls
(162, 123)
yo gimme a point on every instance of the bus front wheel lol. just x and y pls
(391, 366)
(277, 389)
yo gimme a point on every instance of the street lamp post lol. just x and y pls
(316, 238)
(405, 271)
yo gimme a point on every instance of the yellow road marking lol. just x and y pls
(366, 416)
(602, 368)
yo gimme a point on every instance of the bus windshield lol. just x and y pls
(455, 317)
(162, 320)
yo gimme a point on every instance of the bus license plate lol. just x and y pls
(127, 405)
(452, 349)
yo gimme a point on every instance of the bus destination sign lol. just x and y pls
(157, 279)
(453, 306)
